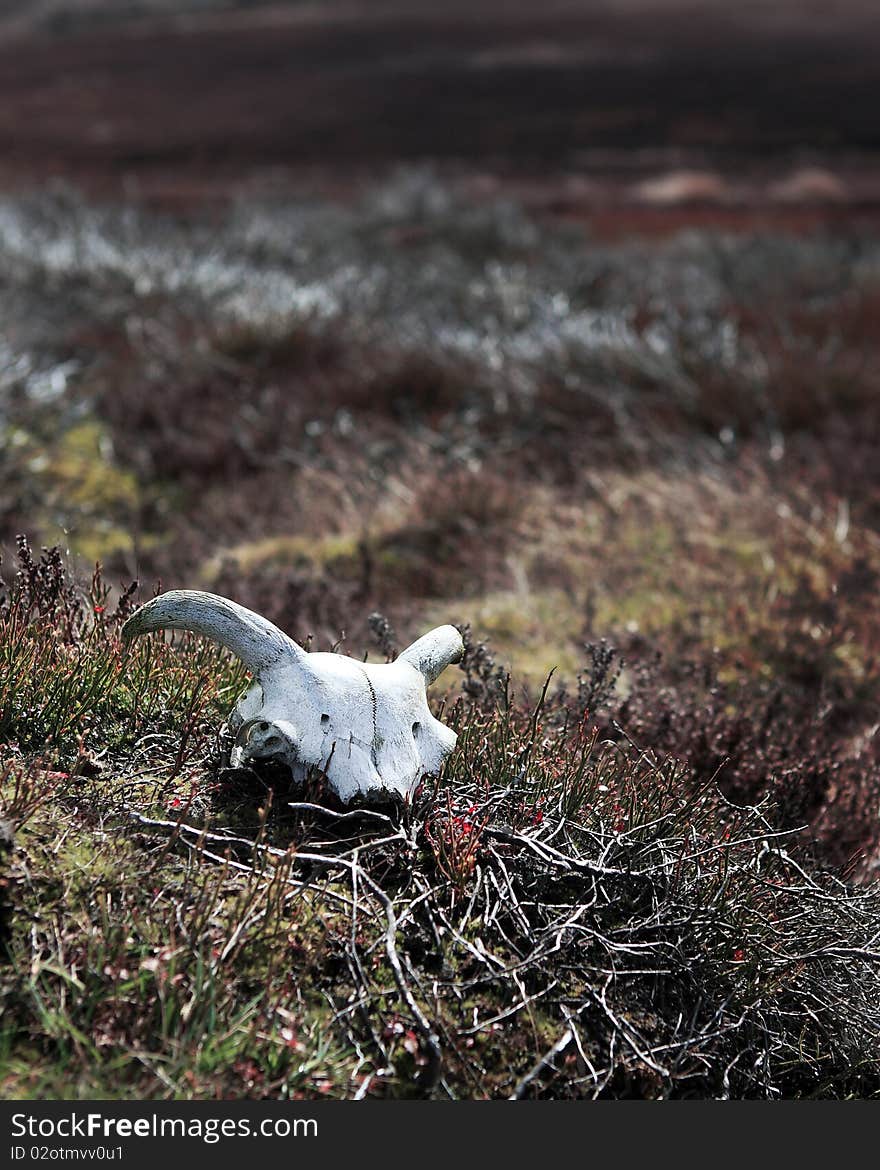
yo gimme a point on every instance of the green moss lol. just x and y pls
(84, 472)
(91, 860)
(281, 550)
(649, 610)
(85, 500)
(531, 634)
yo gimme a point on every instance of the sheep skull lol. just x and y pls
(366, 726)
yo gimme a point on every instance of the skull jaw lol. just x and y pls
(357, 780)
(358, 786)
(348, 766)
(383, 765)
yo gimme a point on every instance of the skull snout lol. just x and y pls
(267, 739)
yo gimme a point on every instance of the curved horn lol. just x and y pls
(432, 653)
(250, 637)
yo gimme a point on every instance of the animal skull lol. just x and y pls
(366, 726)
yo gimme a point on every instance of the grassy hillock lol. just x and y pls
(562, 913)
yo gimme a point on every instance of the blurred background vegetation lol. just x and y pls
(561, 324)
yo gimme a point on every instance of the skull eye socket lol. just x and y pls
(262, 726)
(416, 729)
(325, 721)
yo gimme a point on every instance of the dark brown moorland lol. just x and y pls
(218, 95)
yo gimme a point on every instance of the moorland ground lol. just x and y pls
(610, 401)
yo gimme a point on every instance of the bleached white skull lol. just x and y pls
(366, 726)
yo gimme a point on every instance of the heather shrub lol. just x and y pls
(561, 913)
